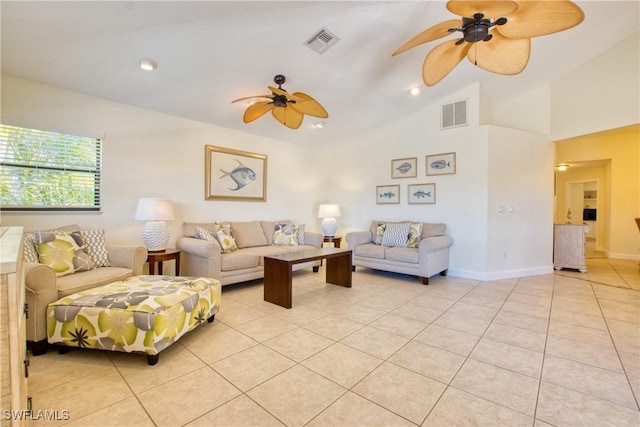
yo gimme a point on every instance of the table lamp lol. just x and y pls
(155, 233)
(329, 213)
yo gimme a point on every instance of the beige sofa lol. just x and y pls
(43, 286)
(430, 255)
(254, 240)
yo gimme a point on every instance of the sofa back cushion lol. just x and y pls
(249, 234)
(428, 229)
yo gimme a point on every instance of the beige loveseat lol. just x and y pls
(43, 286)
(387, 246)
(254, 240)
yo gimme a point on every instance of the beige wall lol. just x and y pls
(620, 184)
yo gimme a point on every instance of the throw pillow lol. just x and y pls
(29, 251)
(204, 234)
(96, 247)
(62, 252)
(288, 235)
(377, 239)
(395, 235)
(226, 240)
(415, 235)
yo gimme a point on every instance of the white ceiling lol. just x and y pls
(211, 52)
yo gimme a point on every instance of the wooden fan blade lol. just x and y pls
(277, 91)
(288, 116)
(501, 55)
(538, 18)
(251, 97)
(490, 8)
(432, 33)
(441, 60)
(257, 110)
(309, 106)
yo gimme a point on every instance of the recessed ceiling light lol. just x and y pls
(562, 167)
(415, 91)
(148, 64)
(319, 125)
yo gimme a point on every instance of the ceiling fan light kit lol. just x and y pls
(287, 108)
(496, 34)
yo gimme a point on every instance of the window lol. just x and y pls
(47, 171)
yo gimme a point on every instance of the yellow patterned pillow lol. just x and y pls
(63, 252)
(415, 235)
(226, 240)
(288, 235)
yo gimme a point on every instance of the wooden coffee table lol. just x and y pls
(278, 271)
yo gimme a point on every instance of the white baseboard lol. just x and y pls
(499, 275)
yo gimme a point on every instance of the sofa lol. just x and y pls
(93, 263)
(233, 252)
(406, 247)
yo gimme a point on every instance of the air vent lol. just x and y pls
(454, 115)
(322, 40)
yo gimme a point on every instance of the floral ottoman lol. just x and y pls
(139, 314)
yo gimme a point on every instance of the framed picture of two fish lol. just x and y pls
(234, 175)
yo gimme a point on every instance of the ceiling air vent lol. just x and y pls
(454, 115)
(322, 40)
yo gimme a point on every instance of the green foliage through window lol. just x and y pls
(42, 170)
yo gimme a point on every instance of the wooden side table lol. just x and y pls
(159, 257)
(337, 240)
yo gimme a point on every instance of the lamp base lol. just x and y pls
(329, 227)
(155, 236)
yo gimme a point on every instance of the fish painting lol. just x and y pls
(440, 164)
(388, 194)
(420, 194)
(241, 175)
(404, 168)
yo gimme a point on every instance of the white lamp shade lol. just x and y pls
(152, 209)
(329, 211)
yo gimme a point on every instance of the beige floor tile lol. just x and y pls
(507, 356)
(501, 386)
(484, 300)
(360, 313)
(427, 299)
(82, 396)
(252, 366)
(447, 339)
(238, 315)
(265, 328)
(457, 408)
(523, 321)
(539, 300)
(517, 336)
(592, 354)
(399, 325)
(301, 314)
(173, 362)
(299, 344)
(560, 406)
(216, 346)
(578, 318)
(186, 398)
(527, 308)
(373, 341)
(333, 326)
(625, 336)
(597, 382)
(631, 363)
(342, 364)
(463, 323)
(297, 395)
(580, 333)
(419, 312)
(239, 412)
(474, 310)
(127, 413)
(401, 391)
(429, 361)
(354, 411)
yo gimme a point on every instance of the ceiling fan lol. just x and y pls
(496, 35)
(288, 108)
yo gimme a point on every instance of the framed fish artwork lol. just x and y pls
(441, 164)
(387, 194)
(421, 194)
(234, 175)
(404, 168)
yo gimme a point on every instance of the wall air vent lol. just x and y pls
(321, 40)
(454, 115)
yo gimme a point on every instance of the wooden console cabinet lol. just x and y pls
(568, 246)
(13, 362)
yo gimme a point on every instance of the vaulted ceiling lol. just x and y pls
(212, 52)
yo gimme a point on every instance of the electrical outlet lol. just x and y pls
(500, 208)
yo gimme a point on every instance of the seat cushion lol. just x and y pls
(84, 280)
(261, 251)
(239, 259)
(369, 250)
(409, 255)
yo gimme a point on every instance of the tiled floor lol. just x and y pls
(539, 351)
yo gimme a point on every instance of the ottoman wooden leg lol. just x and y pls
(152, 359)
(38, 347)
(210, 319)
(63, 349)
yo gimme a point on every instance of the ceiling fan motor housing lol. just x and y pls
(476, 30)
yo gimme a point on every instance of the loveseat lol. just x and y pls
(415, 248)
(233, 252)
(92, 263)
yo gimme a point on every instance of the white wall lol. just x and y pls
(149, 154)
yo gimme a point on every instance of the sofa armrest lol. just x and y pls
(40, 291)
(314, 239)
(431, 244)
(132, 257)
(198, 247)
(356, 238)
